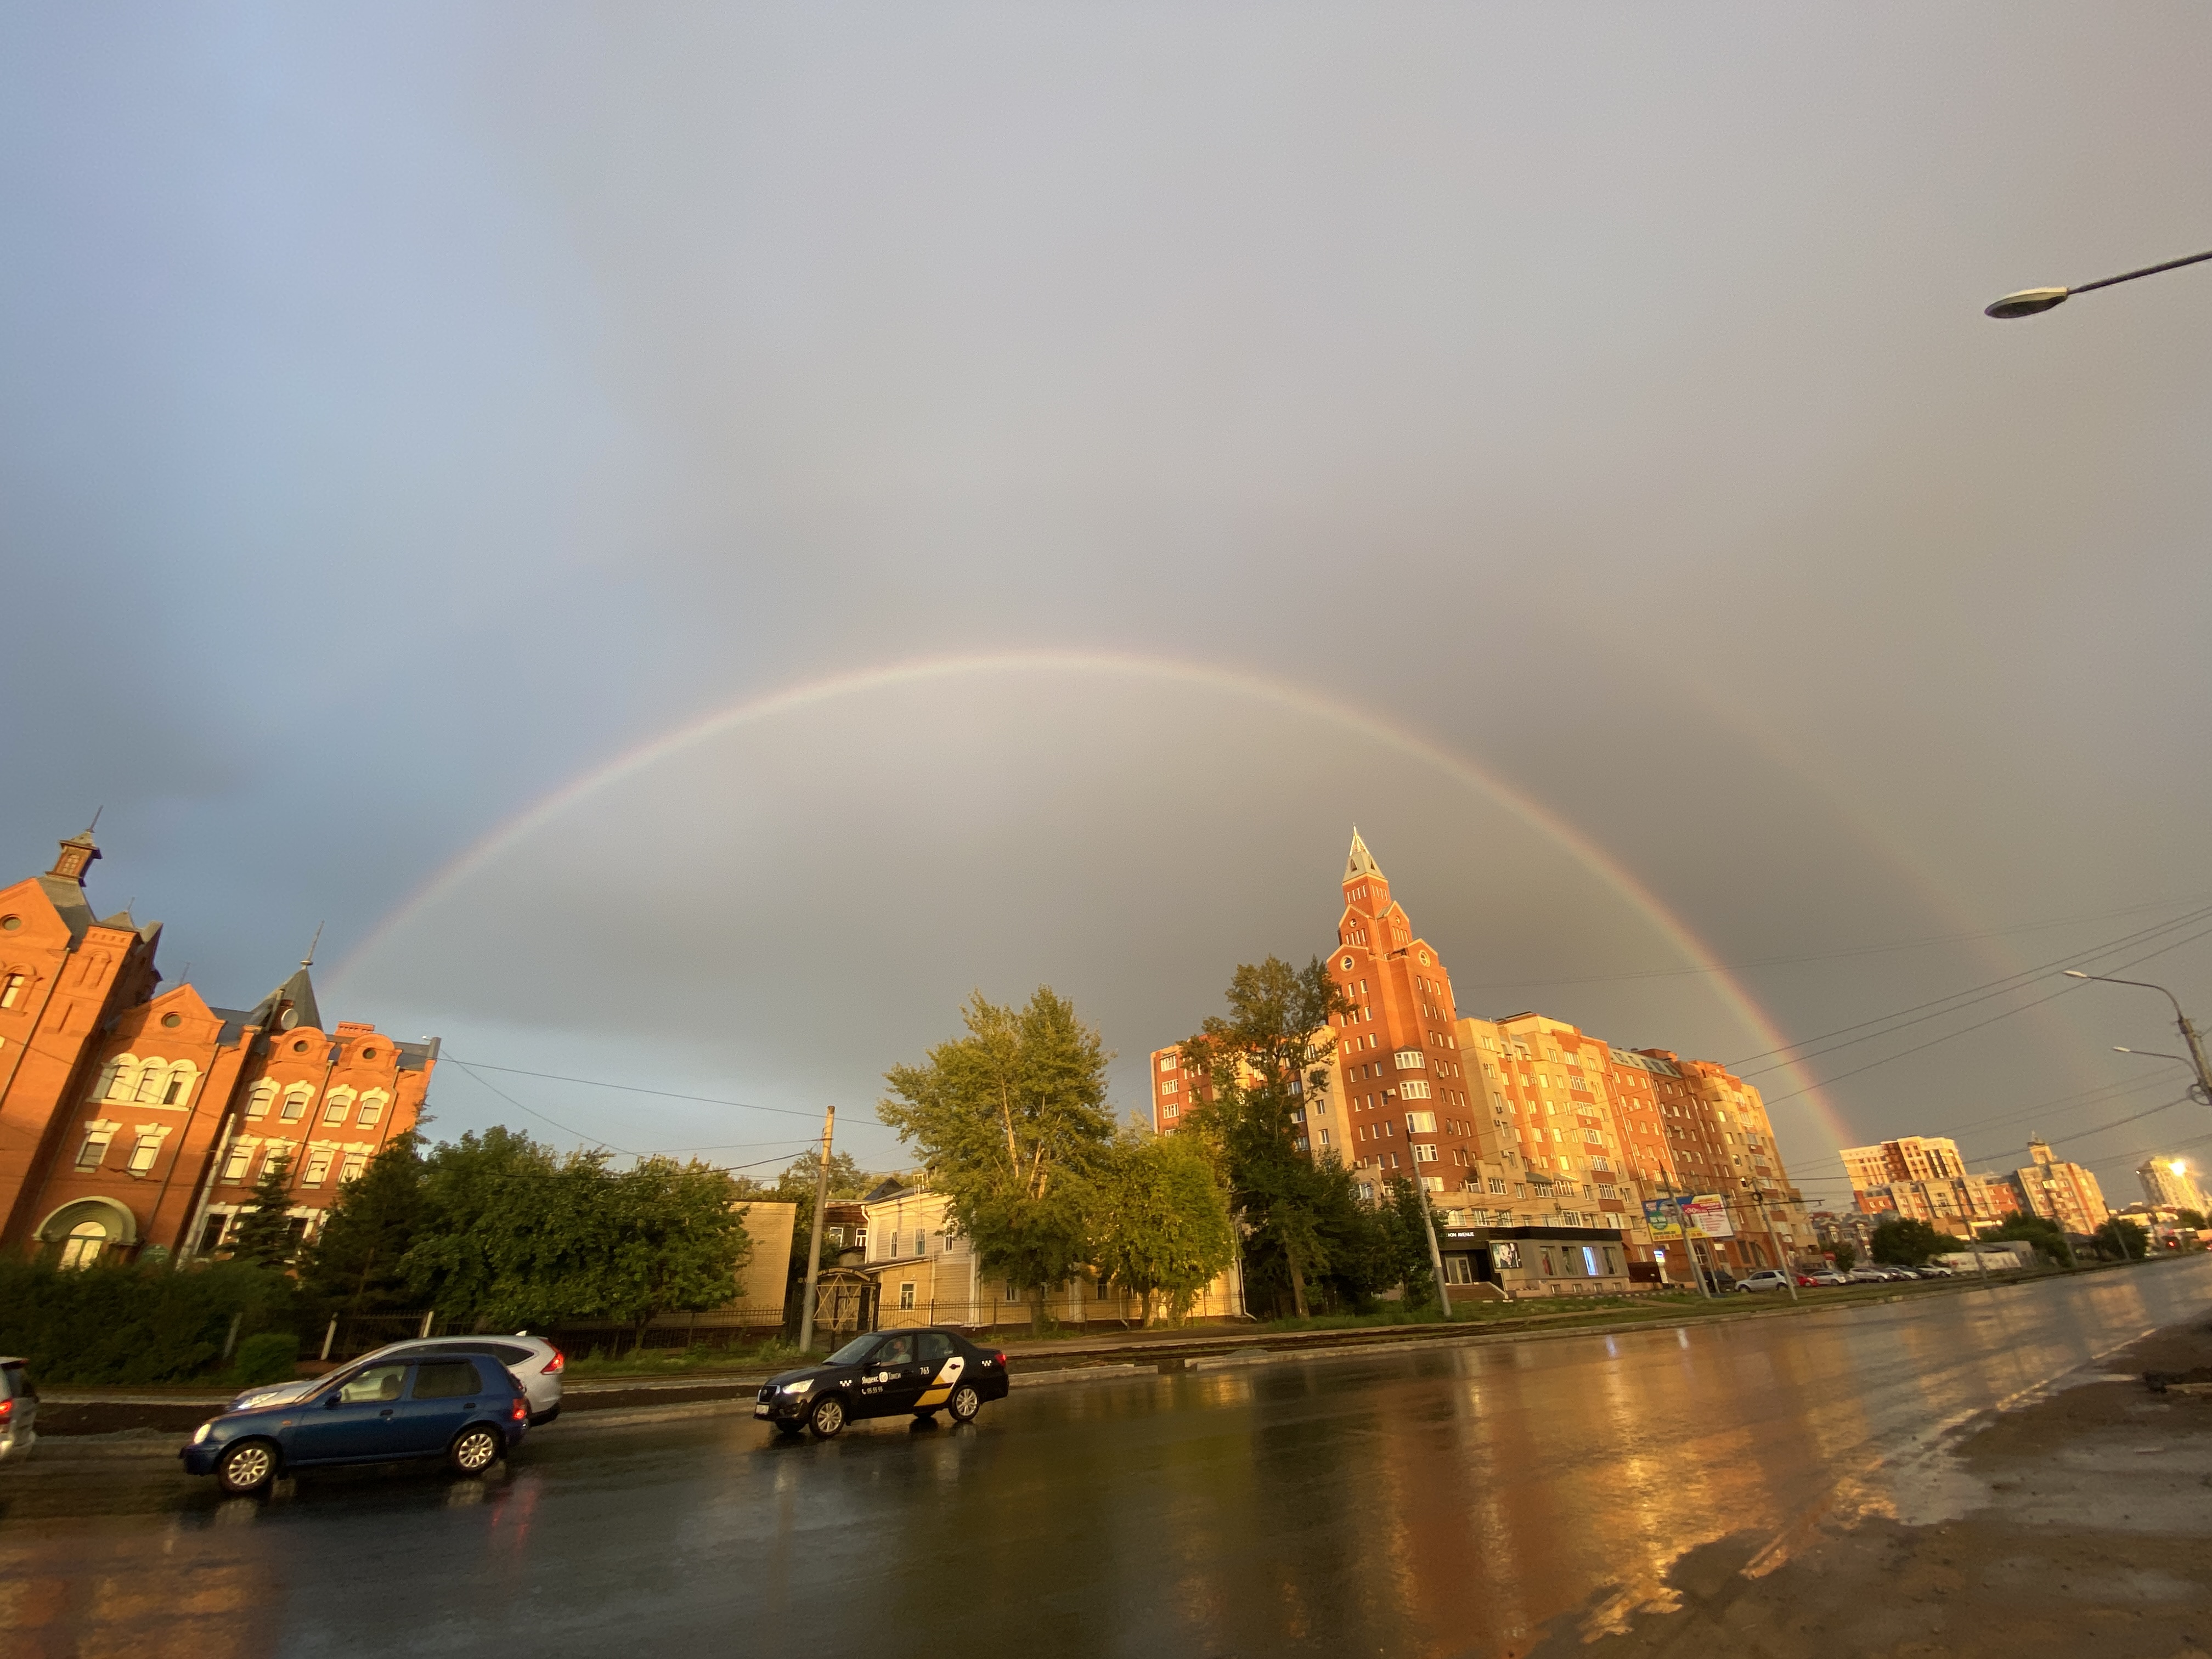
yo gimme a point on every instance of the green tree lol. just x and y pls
(506, 1217)
(1847, 1256)
(1011, 1120)
(1405, 1242)
(673, 1237)
(2124, 1238)
(2046, 1235)
(353, 1264)
(1262, 1066)
(1906, 1243)
(516, 1235)
(2189, 1217)
(263, 1234)
(1158, 1220)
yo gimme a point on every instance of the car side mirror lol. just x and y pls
(331, 1401)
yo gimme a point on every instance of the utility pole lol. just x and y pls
(1435, 1255)
(1682, 1226)
(814, 1249)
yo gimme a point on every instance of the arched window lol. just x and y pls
(153, 1076)
(107, 1074)
(295, 1101)
(85, 1243)
(371, 1107)
(336, 1105)
(181, 1083)
(11, 991)
(256, 1103)
(121, 1077)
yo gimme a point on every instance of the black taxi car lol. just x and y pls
(885, 1374)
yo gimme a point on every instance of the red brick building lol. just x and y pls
(133, 1118)
(1405, 1098)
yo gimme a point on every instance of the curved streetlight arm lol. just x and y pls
(2148, 270)
(2195, 1044)
(2140, 984)
(2028, 301)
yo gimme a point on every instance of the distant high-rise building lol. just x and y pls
(2061, 1192)
(1924, 1178)
(2167, 1183)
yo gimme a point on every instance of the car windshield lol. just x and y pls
(853, 1351)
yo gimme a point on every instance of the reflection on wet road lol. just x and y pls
(1421, 1501)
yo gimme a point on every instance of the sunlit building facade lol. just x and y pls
(2059, 1191)
(1524, 1122)
(1924, 1178)
(134, 1118)
(2169, 1183)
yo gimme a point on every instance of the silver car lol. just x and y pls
(19, 1411)
(535, 1363)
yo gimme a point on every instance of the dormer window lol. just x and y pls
(11, 989)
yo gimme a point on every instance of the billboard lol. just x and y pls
(1707, 1214)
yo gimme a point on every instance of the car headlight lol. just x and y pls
(203, 1432)
(800, 1387)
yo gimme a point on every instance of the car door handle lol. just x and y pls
(387, 1411)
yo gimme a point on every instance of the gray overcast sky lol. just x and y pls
(406, 412)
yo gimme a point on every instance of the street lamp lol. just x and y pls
(2154, 1054)
(2196, 1060)
(2030, 301)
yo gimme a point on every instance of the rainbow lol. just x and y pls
(1280, 693)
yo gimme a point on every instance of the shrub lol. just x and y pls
(126, 1323)
(269, 1357)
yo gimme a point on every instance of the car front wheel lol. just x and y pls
(248, 1466)
(965, 1403)
(473, 1450)
(827, 1417)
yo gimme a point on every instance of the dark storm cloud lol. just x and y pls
(402, 412)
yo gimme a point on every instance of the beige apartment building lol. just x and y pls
(924, 1272)
(2061, 1192)
(2168, 1184)
(1924, 1178)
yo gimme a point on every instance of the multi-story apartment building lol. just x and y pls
(1521, 1123)
(134, 1118)
(2061, 1192)
(2169, 1184)
(1924, 1178)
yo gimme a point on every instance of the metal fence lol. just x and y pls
(349, 1336)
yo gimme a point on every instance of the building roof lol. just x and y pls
(1359, 861)
(299, 992)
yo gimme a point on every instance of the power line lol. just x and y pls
(535, 1113)
(1933, 1042)
(1828, 955)
(663, 1094)
(1965, 999)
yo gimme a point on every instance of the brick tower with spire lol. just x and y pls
(1407, 1105)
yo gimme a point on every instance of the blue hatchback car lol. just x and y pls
(465, 1409)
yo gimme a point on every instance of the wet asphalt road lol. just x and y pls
(1436, 1500)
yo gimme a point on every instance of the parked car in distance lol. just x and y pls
(534, 1362)
(1765, 1279)
(1868, 1276)
(465, 1408)
(920, 1371)
(19, 1411)
(1825, 1276)
(1933, 1270)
